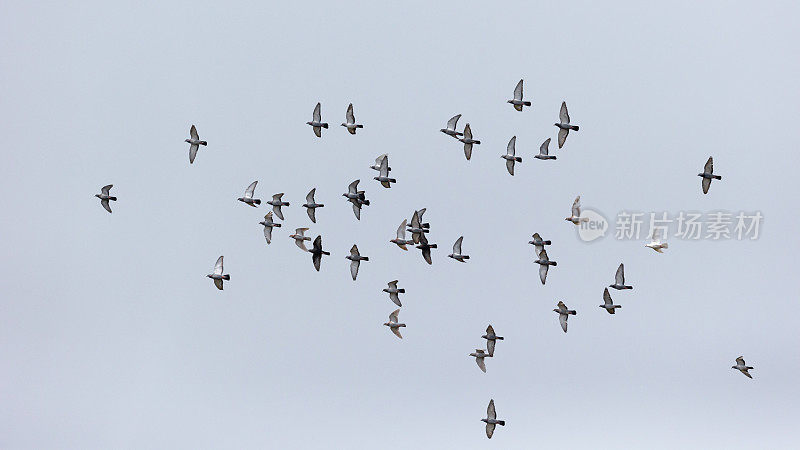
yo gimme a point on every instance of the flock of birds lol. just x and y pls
(419, 229)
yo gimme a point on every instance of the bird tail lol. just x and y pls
(392, 180)
(628, 287)
(465, 256)
(501, 422)
(546, 242)
(365, 201)
(257, 201)
(426, 225)
(226, 277)
(433, 246)
(526, 103)
(500, 338)
(572, 312)
(276, 225)
(749, 367)
(320, 205)
(112, 198)
(366, 258)
(326, 253)
(717, 177)
(664, 245)
(325, 125)
(553, 263)
(477, 142)
(402, 291)
(359, 126)
(518, 159)
(575, 127)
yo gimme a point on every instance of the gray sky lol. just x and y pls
(112, 337)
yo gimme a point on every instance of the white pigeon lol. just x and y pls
(316, 123)
(517, 101)
(656, 243)
(383, 177)
(300, 238)
(576, 212)
(351, 124)
(401, 240)
(451, 127)
(378, 160)
(564, 126)
(194, 143)
(394, 324)
(479, 356)
(510, 155)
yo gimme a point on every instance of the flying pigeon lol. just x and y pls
(311, 205)
(708, 175)
(351, 124)
(393, 292)
(317, 252)
(426, 248)
(564, 125)
(317, 122)
(384, 173)
(417, 228)
(457, 251)
(544, 264)
(248, 196)
(655, 242)
(393, 323)
(105, 196)
(576, 212)
(194, 142)
(491, 419)
(509, 156)
(276, 203)
(300, 239)
(538, 243)
(468, 142)
(378, 160)
(268, 225)
(479, 355)
(563, 314)
(451, 127)
(491, 339)
(742, 367)
(217, 276)
(355, 260)
(400, 240)
(608, 303)
(518, 102)
(544, 152)
(619, 279)
(356, 197)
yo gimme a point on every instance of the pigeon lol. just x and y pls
(393, 323)
(544, 152)
(608, 303)
(619, 279)
(491, 419)
(317, 252)
(400, 240)
(479, 356)
(393, 292)
(468, 142)
(384, 173)
(217, 276)
(355, 260)
(276, 203)
(563, 314)
(708, 175)
(105, 196)
(300, 239)
(378, 160)
(564, 125)
(356, 197)
(491, 339)
(457, 251)
(518, 102)
(417, 228)
(544, 264)
(268, 225)
(248, 196)
(655, 242)
(509, 156)
(351, 124)
(426, 248)
(194, 142)
(311, 205)
(317, 122)
(576, 212)
(538, 243)
(742, 367)
(451, 127)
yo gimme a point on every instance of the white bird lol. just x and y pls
(451, 127)
(576, 212)
(457, 251)
(656, 243)
(194, 143)
(378, 160)
(311, 205)
(468, 142)
(564, 126)
(105, 196)
(217, 276)
(351, 124)
(393, 292)
(563, 314)
(317, 122)
(741, 366)
(300, 239)
(517, 101)
(491, 419)
(401, 240)
(608, 303)
(479, 356)
(248, 196)
(510, 155)
(384, 173)
(544, 151)
(393, 323)
(268, 225)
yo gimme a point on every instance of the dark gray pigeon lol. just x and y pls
(451, 127)
(105, 196)
(217, 276)
(426, 248)
(468, 142)
(351, 124)
(394, 324)
(619, 279)
(248, 196)
(608, 303)
(491, 419)
(311, 205)
(708, 175)
(741, 366)
(517, 101)
(544, 152)
(393, 292)
(194, 143)
(479, 356)
(491, 339)
(384, 173)
(544, 264)
(317, 122)
(400, 240)
(355, 260)
(563, 314)
(510, 155)
(564, 126)
(356, 197)
(378, 160)
(317, 252)
(268, 225)
(538, 243)
(457, 251)
(276, 203)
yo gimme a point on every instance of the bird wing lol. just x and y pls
(518, 91)
(451, 124)
(354, 250)
(248, 193)
(300, 231)
(268, 234)
(193, 152)
(607, 297)
(352, 188)
(706, 183)
(491, 413)
(709, 167)
(467, 132)
(490, 346)
(312, 214)
(395, 298)
(357, 210)
(510, 166)
(562, 318)
(489, 330)
(490, 430)
(511, 148)
(354, 268)
(310, 196)
(415, 221)
(426, 253)
(105, 204)
(394, 316)
(421, 213)
(576, 207)
(401, 230)
(481, 363)
(351, 118)
(316, 258)
(562, 307)
(301, 243)
(193, 133)
(384, 166)
(218, 283)
(457, 245)
(562, 136)
(619, 278)
(544, 148)
(656, 233)
(396, 332)
(218, 268)
(543, 255)
(277, 210)
(563, 115)
(318, 244)
(277, 197)
(105, 190)
(468, 151)
(746, 373)
(740, 361)
(268, 217)
(543, 268)
(317, 116)
(393, 284)
(380, 158)
(318, 131)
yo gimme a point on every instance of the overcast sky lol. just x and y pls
(112, 337)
